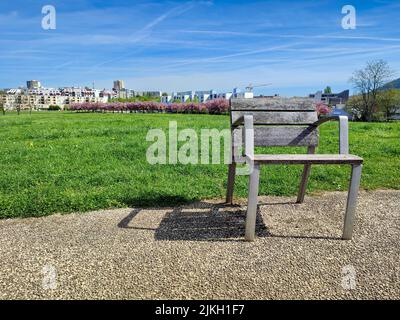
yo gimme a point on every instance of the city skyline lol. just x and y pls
(115, 85)
(176, 46)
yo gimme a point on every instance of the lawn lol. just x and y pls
(65, 162)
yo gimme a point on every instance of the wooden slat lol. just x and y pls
(277, 117)
(280, 136)
(308, 159)
(273, 104)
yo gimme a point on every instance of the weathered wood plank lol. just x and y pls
(308, 159)
(277, 117)
(273, 104)
(279, 136)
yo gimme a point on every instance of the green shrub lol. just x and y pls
(54, 108)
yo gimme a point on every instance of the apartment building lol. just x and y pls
(123, 93)
(332, 99)
(33, 84)
(118, 85)
(204, 95)
(152, 94)
(39, 98)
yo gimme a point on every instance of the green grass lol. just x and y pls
(65, 162)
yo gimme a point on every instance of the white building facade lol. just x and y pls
(204, 96)
(43, 98)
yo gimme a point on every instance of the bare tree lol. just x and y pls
(368, 82)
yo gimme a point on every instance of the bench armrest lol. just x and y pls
(343, 131)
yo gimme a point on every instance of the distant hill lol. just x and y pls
(395, 84)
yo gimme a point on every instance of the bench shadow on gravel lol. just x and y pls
(201, 221)
(205, 221)
(208, 222)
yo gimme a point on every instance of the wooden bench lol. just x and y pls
(285, 122)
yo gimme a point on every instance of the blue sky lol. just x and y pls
(298, 46)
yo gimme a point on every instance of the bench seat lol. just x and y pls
(307, 159)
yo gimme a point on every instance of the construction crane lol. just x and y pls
(250, 87)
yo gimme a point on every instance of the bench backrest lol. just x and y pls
(277, 121)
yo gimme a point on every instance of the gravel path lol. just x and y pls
(198, 251)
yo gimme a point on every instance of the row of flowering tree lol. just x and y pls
(216, 106)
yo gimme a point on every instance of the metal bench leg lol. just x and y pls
(352, 202)
(304, 178)
(252, 203)
(231, 182)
